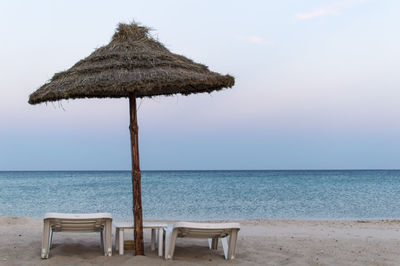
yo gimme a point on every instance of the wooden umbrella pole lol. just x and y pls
(136, 175)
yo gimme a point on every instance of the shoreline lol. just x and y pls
(246, 220)
(260, 242)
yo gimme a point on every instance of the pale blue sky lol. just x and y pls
(317, 86)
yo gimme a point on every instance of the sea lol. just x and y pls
(207, 195)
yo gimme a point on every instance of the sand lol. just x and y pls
(260, 242)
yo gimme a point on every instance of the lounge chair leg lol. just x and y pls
(172, 246)
(121, 241)
(45, 239)
(153, 239)
(167, 240)
(160, 241)
(108, 237)
(170, 239)
(224, 242)
(51, 239)
(232, 244)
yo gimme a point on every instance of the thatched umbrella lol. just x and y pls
(132, 65)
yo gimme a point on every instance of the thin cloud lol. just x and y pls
(315, 13)
(335, 8)
(254, 39)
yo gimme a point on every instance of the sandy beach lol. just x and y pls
(260, 242)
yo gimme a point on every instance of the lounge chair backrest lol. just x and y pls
(202, 230)
(63, 222)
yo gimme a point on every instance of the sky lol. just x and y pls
(316, 86)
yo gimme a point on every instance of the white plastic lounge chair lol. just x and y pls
(212, 231)
(66, 222)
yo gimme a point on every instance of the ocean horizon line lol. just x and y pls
(211, 170)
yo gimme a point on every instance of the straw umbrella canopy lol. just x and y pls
(133, 65)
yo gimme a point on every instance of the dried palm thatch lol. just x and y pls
(133, 62)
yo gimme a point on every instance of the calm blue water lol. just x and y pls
(206, 194)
